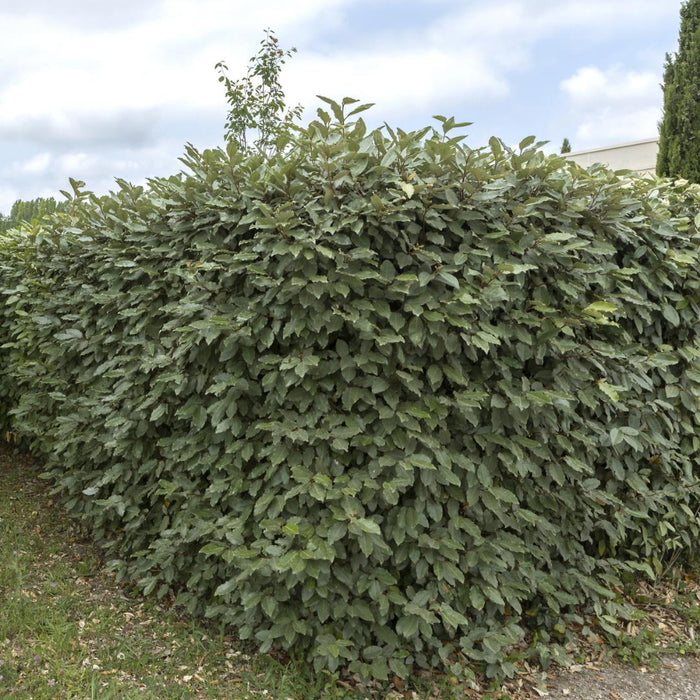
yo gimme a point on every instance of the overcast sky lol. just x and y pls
(100, 89)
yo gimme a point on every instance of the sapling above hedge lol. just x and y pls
(381, 397)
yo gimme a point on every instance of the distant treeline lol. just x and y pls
(26, 211)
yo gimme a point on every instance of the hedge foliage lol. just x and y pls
(380, 397)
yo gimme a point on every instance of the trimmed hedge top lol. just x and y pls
(381, 397)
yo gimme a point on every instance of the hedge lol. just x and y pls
(382, 398)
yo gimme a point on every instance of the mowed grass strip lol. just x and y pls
(67, 630)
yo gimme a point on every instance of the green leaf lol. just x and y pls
(557, 237)
(366, 525)
(407, 626)
(476, 597)
(448, 279)
(157, 412)
(670, 314)
(514, 269)
(269, 606)
(451, 617)
(225, 588)
(492, 594)
(408, 189)
(600, 307)
(421, 461)
(361, 609)
(608, 389)
(290, 528)
(213, 548)
(504, 495)
(434, 376)
(200, 417)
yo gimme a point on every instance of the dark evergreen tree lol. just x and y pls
(679, 129)
(565, 146)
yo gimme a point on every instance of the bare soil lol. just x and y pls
(676, 678)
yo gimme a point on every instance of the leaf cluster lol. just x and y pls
(383, 398)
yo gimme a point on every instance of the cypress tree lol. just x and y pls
(679, 129)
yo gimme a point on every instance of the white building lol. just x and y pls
(636, 155)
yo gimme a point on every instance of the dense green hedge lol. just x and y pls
(381, 397)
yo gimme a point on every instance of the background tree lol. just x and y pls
(565, 146)
(28, 210)
(679, 129)
(257, 112)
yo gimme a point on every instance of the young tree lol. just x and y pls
(679, 129)
(565, 146)
(257, 114)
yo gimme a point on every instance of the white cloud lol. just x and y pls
(36, 165)
(592, 86)
(399, 80)
(505, 31)
(164, 58)
(7, 196)
(96, 14)
(77, 162)
(613, 105)
(606, 127)
(65, 80)
(598, 15)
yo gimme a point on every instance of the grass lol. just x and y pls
(68, 630)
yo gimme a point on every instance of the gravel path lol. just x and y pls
(676, 678)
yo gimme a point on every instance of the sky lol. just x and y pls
(102, 89)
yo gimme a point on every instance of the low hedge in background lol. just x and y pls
(380, 397)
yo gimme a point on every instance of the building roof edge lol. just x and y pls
(611, 148)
